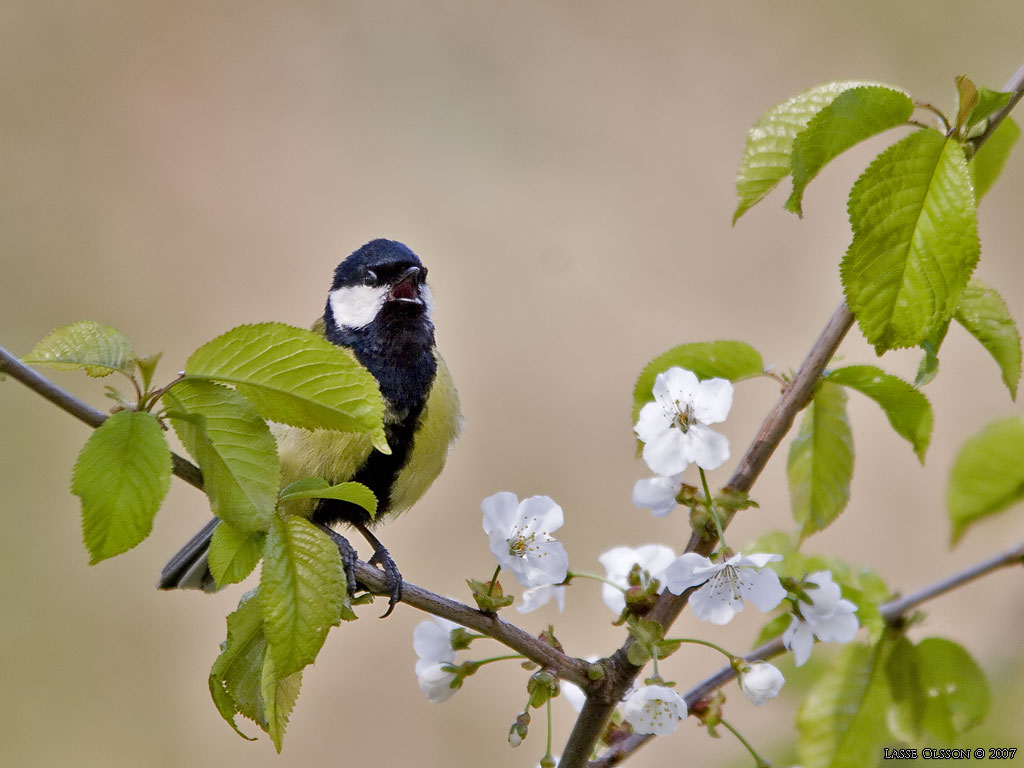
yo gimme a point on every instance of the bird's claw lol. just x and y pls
(392, 577)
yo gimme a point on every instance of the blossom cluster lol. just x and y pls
(675, 433)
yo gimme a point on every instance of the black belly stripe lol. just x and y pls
(378, 474)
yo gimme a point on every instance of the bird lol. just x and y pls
(380, 308)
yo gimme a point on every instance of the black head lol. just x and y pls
(383, 280)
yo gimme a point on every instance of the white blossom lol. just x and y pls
(828, 617)
(658, 493)
(618, 562)
(726, 584)
(760, 681)
(674, 427)
(654, 709)
(520, 537)
(535, 597)
(433, 645)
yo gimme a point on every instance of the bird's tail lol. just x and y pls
(190, 568)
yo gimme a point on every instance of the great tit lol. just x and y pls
(380, 308)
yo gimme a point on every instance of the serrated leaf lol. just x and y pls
(236, 676)
(233, 553)
(820, 463)
(944, 692)
(122, 475)
(766, 156)
(302, 591)
(988, 474)
(279, 696)
(234, 448)
(354, 493)
(986, 317)
(853, 116)
(907, 409)
(915, 240)
(842, 722)
(294, 377)
(988, 162)
(98, 349)
(732, 360)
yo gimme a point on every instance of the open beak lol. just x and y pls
(406, 287)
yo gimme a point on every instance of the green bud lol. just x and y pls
(519, 730)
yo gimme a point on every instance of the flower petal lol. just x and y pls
(435, 683)
(652, 421)
(716, 603)
(539, 514)
(534, 598)
(706, 448)
(712, 401)
(432, 640)
(499, 512)
(762, 588)
(688, 571)
(799, 638)
(657, 494)
(665, 452)
(677, 385)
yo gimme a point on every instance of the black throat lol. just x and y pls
(398, 349)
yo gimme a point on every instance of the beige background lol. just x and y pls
(566, 171)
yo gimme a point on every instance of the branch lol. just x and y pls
(566, 667)
(64, 400)
(892, 612)
(603, 695)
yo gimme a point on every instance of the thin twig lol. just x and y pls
(64, 400)
(891, 612)
(566, 667)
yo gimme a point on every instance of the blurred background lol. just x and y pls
(566, 171)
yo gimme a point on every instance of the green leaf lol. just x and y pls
(233, 553)
(236, 676)
(279, 695)
(99, 349)
(929, 366)
(915, 240)
(967, 93)
(988, 103)
(302, 591)
(355, 493)
(295, 377)
(732, 360)
(988, 162)
(773, 628)
(988, 474)
(939, 691)
(986, 317)
(147, 367)
(122, 475)
(842, 722)
(907, 409)
(852, 117)
(820, 464)
(234, 448)
(766, 156)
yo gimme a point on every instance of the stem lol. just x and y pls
(494, 580)
(585, 575)
(761, 762)
(711, 509)
(547, 753)
(718, 648)
(937, 112)
(892, 612)
(480, 662)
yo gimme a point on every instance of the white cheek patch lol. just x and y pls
(428, 301)
(358, 305)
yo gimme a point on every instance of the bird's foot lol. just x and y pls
(349, 557)
(392, 576)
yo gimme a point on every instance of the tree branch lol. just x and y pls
(892, 612)
(64, 400)
(603, 695)
(566, 667)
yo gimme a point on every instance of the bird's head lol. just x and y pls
(382, 282)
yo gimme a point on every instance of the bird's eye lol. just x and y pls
(369, 277)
